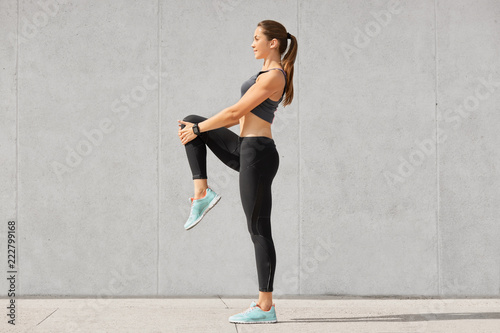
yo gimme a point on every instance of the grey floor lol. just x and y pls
(322, 314)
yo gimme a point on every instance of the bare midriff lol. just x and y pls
(251, 125)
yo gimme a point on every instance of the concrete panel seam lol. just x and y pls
(159, 154)
(438, 235)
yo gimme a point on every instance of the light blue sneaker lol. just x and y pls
(200, 207)
(255, 315)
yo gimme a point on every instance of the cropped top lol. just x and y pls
(266, 109)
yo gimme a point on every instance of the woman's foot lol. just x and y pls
(199, 207)
(254, 315)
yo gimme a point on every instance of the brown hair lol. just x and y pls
(272, 29)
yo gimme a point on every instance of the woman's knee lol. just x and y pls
(194, 118)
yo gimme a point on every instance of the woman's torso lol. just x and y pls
(252, 125)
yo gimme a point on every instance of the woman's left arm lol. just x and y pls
(255, 95)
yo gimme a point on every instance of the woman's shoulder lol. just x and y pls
(272, 73)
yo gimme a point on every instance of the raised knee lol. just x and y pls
(192, 118)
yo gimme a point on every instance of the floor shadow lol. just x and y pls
(403, 317)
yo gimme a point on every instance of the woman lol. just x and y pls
(252, 153)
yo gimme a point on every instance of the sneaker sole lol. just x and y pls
(254, 322)
(212, 203)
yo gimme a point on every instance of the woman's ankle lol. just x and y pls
(265, 306)
(200, 187)
(200, 193)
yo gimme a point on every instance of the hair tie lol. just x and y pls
(288, 36)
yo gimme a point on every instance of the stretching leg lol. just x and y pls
(223, 143)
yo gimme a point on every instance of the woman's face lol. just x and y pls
(260, 45)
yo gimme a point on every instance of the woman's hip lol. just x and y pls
(259, 152)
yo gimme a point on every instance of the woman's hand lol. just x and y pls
(186, 134)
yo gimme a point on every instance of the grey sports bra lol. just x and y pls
(266, 109)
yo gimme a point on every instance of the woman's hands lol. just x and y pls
(186, 134)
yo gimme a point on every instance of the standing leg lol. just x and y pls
(259, 164)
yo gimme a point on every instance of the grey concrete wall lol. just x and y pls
(388, 180)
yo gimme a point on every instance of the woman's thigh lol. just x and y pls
(259, 164)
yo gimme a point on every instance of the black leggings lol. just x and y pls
(257, 161)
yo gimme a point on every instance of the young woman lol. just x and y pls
(253, 153)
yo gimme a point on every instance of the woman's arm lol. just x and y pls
(256, 94)
(231, 125)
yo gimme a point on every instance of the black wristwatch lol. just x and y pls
(196, 130)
